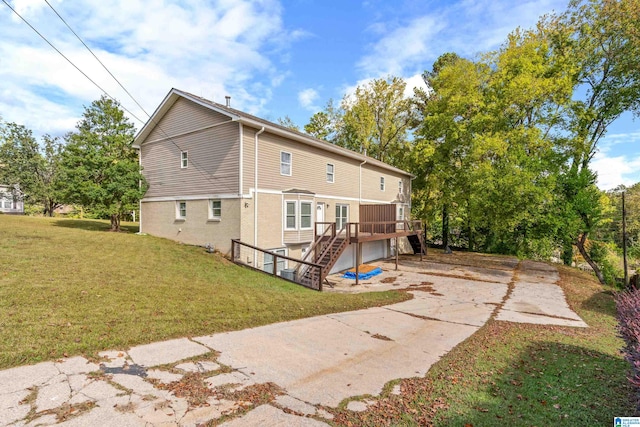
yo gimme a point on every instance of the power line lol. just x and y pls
(97, 59)
(67, 59)
(208, 177)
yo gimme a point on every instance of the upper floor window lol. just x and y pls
(184, 159)
(382, 183)
(400, 187)
(181, 210)
(285, 163)
(330, 172)
(215, 209)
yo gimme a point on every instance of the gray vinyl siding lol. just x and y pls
(308, 168)
(213, 156)
(371, 185)
(309, 171)
(185, 116)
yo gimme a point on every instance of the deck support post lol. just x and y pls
(397, 251)
(358, 262)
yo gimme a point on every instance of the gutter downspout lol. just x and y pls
(360, 184)
(255, 198)
(139, 186)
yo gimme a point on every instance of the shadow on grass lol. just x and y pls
(601, 302)
(549, 383)
(95, 225)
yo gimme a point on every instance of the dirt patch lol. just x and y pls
(381, 337)
(424, 287)
(191, 387)
(388, 280)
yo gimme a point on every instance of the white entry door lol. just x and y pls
(320, 218)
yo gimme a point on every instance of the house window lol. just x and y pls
(285, 163)
(330, 172)
(7, 204)
(305, 215)
(184, 159)
(382, 183)
(290, 216)
(181, 210)
(215, 209)
(400, 187)
(400, 213)
(342, 216)
(267, 266)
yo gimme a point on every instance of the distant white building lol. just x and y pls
(11, 200)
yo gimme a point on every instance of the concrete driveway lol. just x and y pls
(311, 364)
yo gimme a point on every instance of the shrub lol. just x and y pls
(628, 308)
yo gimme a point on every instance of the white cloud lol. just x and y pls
(403, 47)
(212, 50)
(307, 99)
(613, 171)
(466, 27)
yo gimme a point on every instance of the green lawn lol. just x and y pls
(510, 374)
(70, 287)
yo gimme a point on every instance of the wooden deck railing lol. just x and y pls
(383, 227)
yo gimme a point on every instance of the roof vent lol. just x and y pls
(228, 98)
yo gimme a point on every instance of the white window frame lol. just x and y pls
(284, 164)
(400, 187)
(331, 175)
(184, 159)
(310, 215)
(287, 215)
(179, 209)
(382, 186)
(340, 220)
(212, 210)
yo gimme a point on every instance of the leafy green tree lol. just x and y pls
(99, 167)
(443, 153)
(376, 119)
(288, 123)
(599, 42)
(29, 166)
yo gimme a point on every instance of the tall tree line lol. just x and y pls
(94, 167)
(501, 145)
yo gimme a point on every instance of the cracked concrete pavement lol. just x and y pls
(312, 364)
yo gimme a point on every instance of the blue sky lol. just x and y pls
(274, 58)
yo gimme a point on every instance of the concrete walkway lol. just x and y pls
(309, 364)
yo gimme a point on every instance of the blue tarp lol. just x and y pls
(361, 276)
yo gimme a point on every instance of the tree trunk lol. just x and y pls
(115, 222)
(445, 228)
(580, 245)
(567, 252)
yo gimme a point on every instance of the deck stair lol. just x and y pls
(325, 251)
(417, 242)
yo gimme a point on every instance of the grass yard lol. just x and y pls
(510, 374)
(69, 287)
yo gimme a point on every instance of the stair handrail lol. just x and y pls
(318, 238)
(333, 240)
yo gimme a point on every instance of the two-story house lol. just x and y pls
(216, 174)
(11, 200)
